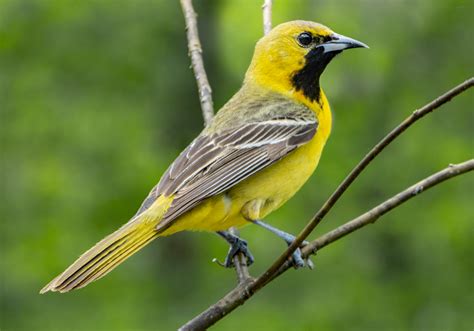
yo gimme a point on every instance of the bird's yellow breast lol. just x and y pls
(265, 191)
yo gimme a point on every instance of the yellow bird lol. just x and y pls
(259, 150)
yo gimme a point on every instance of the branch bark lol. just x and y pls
(243, 292)
(195, 52)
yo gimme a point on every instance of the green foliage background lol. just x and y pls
(97, 98)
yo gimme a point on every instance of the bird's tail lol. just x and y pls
(110, 251)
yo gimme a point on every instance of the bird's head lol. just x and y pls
(292, 57)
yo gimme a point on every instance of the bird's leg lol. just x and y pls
(289, 239)
(237, 245)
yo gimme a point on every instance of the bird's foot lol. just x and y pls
(237, 246)
(298, 260)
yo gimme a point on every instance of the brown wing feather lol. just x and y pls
(237, 155)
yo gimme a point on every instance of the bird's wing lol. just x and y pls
(212, 164)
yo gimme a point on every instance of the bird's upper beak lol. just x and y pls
(339, 42)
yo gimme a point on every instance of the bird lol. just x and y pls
(256, 153)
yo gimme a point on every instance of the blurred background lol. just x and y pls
(97, 98)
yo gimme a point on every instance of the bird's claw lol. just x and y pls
(298, 260)
(237, 246)
(215, 260)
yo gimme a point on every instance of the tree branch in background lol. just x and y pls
(415, 116)
(243, 292)
(195, 52)
(267, 16)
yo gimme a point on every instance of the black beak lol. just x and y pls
(339, 43)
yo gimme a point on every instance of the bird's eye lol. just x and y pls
(305, 39)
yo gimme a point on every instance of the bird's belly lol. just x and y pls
(257, 196)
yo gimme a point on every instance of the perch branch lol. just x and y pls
(195, 53)
(243, 292)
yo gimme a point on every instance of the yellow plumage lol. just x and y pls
(256, 154)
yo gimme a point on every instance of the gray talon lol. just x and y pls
(298, 260)
(237, 246)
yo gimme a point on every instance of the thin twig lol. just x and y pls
(195, 52)
(415, 116)
(267, 16)
(243, 292)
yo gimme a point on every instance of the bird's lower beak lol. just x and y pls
(339, 43)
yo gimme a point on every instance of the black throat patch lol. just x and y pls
(307, 78)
